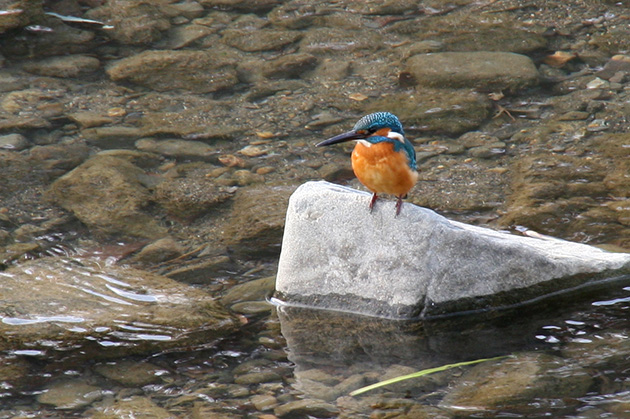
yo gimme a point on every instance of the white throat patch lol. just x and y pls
(396, 136)
(365, 143)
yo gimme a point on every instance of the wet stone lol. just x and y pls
(112, 137)
(321, 41)
(129, 407)
(64, 66)
(5, 238)
(116, 206)
(202, 272)
(601, 351)
(476, 139)
(264, 402)
(247, 177)
(62, 157)
(480, 70)
(68, 395)
(573, 116)
(191, 195)
(255, 290)
(252, 307)
(243, 5)
(317, 375)
(194, 71)
(134, 23)
(257, 378)
(22, 100)
(487, 152)
(260, 40)
(504, 38)
(129, 373)
(13, 370)
(616, 65)
(437, 110)
(317, 390)
(176, 148)
(252, 231)
(311, 407)
(14, 142)
(17, 251)
(29, 10)
(182, 36)
(290, 66)
(294, 15)
(351, 383)
(61, 40)
(159, 251)
(517, 380)
(88, 119)
(48, 301)
(27, 232)
(189, 9)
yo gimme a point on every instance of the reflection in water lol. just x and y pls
(332, 338)
(358, 351)
(14, 321)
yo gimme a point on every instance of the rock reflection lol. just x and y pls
(336, 353)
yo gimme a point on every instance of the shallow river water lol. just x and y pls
(145, 168)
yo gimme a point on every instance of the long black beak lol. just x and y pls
(342, 138)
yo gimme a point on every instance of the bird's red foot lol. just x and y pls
(399, 204)
(374, 198)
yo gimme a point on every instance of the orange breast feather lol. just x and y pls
(382, 170)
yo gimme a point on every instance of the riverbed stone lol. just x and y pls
(70, 394)
(176, 148)
(183, 36)
(243, 5)
(202, 272)
(15, 142)
(338, 255)
(159, 251)
(130, 373)
(255, 227)
(21, 13)
(515, 380)
(485, 70)
(254, 290)
(61, 157)
(306, 407)
(253, 40)
(64, 66)
(136, 406)
(448, 111)
(546, 186)
(257, 378)
(81, 302)
(167, 70)
(133, 22)
(290, 66)
(107, 194)
(193, 193)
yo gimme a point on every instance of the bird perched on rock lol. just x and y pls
(383, 159)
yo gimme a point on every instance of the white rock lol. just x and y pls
(338, 255)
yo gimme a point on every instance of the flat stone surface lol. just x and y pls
(338, 255)
(478, 69)
(80, 302)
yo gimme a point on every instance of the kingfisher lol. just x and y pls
(383, 160)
